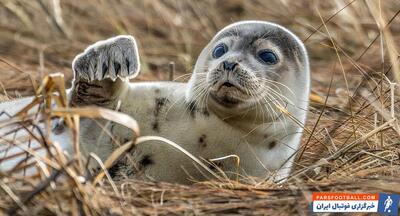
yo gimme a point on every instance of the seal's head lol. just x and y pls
(249, 63)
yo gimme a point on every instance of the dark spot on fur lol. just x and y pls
(157, 91)
(155, 126)
(192, 109)
(159, 103)
(59, 127)
(122, 169)
(115, 169)
(146, 161)
(202, 140)
(272, 145)
(216, 164)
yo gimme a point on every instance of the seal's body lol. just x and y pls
(247, 100)
(163, 111)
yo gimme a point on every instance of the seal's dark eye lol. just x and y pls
(219, 50)
(268, 57)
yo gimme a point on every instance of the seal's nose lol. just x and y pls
(229, 66)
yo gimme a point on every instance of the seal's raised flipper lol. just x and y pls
(102, 71)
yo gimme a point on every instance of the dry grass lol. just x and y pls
(353, 137)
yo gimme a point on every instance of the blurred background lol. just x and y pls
(43, 36)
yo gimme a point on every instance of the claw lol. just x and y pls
(127, 64)
(104, 70)
(117, 68)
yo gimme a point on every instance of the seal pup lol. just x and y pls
(247, 99)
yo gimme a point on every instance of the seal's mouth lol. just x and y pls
(227, 94)
(229, 86)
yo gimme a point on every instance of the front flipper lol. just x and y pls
(103, 70)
